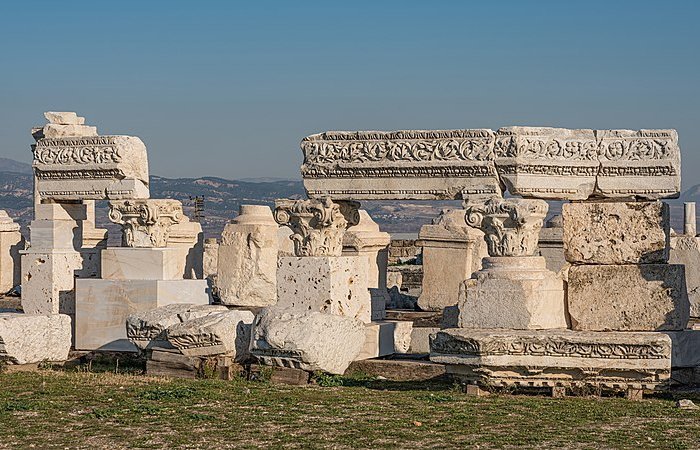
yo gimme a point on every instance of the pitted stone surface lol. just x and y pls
(146, 329)
(30, 338)
(226, 332)
(616, 232)
(628, 297)
(306, 340)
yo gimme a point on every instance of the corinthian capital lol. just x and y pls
(318, 224)
(146, 223)
(511, 226)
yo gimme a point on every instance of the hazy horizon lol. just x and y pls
(225, 89)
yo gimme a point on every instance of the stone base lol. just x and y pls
(513, 292)
(102, 307)
(48, 281)
(555, 358)
(627, 297)
(132, 263)
(329, 284)
(386, 338)
(29, 338)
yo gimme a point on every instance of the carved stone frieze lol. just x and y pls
(511, 226)
(318, 224)
(146, 223)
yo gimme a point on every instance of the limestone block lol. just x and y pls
(554, 357)
(551, 244)
(53, 130)
(227, 332)
(645, 164)
(146, 328)
(64, 118)
(685, 346)
(452, 252)
(329, 284)
(210, 259)
(420, 339)
(30, 338)
(284, 241)
(189, 237)
(628, 297)
(513, 292)
(48, 281)
(386, 337)
(50, 235)
(61, 211)
(102, 307)
(11, 243)
(408, 164)
(248, 259)
(89, 167)
(306, 340)
(547, 163)
(133, 263)
(686, 250)
(616, 233)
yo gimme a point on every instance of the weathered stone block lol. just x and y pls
(554, 357)
(329, 284)
(48, 281)
(685, 347)
(64, 118)
(127, 263)
(146, 328)
(306, 340)
(513, 292)
(385, 338)
(226, 332)
(627, 297)
(11, 243)
(102, 307)
(686, 250)
(247, 267)
(616, 233)
(452, 252)
(30, 338)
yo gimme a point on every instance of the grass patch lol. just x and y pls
(57, 409)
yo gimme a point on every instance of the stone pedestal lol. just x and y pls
(11, 242)
(329, 284)
(452, 252)
(555, 358)
(247, 262)
(53, 259)
(126, 263)
(628, 297)
(371, 245)
(513, 292)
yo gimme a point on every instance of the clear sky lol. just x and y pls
(228, 89)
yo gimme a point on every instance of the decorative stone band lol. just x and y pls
(511, 226)
(318, 224)
(146, 223)
(549, 163)
(91, 168)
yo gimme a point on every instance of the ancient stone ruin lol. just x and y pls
(603, 296)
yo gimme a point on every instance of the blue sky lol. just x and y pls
(228, 88)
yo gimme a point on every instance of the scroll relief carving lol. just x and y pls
(318, 224)
(511, 226)
(146, 223)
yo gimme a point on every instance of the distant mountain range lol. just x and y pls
(222, 199)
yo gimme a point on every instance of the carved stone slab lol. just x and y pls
(146, 223)
(554, 357)
(535, 162)
(365, 165)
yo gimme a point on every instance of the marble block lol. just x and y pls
(32, 338)
(223, 333)
(247, 262)
(554, 357)
(306, 340)
(329, 284)
(134, 263)
(685, 348)
(146, 329)
(386, 337)
(452, 252)
(61, 211)
(616, 232)
(102, 307)
(48, 281)
(686, 250)
(627, 297)
(11, 242)
(513, 292)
